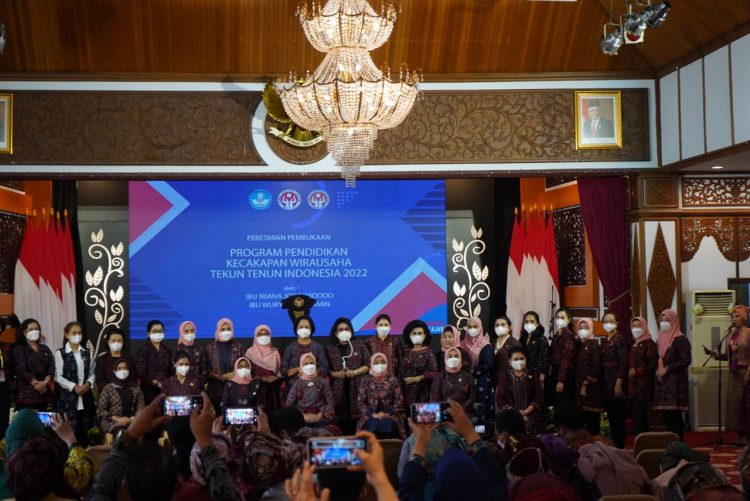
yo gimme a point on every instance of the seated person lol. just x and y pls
(119, 401)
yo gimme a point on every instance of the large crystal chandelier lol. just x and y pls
(348, 99)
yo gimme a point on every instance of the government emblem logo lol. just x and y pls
(289, 199)
(260, 199)
(318, 199)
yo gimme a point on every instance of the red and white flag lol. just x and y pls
(514, 295)
(26, 300)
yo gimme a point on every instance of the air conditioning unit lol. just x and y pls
(709, 317)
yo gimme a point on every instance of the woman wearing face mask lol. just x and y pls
(107, 361)
(304, 327)
(536, 345)
(451, 338)
(119, 401)
(477, 343)
(520, 389)
(454, 383)
(348, 359)
(312, 394)
(642, 362)
(671, 386)
(589, 376)
(183, 382)
(383, 342)
(221, 355)
(35, 368)
(560, 386)
(418, 366)
(242, 390)
(74, 375)
(380, 401)
(198, 358)
(154, 361)
(614, 373)
(504, 343)
(266, 365)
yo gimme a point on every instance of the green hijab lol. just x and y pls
(25, 426)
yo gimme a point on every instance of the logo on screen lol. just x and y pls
(289, 199)
(318, 199)
(260, 199)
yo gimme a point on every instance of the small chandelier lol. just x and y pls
(348, 99)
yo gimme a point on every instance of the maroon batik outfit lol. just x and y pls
(672, 392)
(520, 392)
(153, 365)
(589, 369)
(381, 396)
(346, 391)
(418, 363)
(455, 386)
(391, 347)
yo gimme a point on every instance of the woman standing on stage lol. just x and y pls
(35, 368)
(108, 361)
(304, 327)
(385, 343)
(477, 343)
(454, 383)
(184, 382)
(737, 352)
(643, 360)
(505, 342)
(451, 338)
(197, 354)
(221, 355)
(671, 386)
(418, 367)
(521, 389)
(560, 386)
(381, 403)
(348, 359)
(535, 344)
(588, 376)
(266, 367)
(614, 378)
(154, 361)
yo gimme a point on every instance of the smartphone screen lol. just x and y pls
(480, 428)
(47, 418)
(335, 452)
(242, 416)
(182, 405)
(430, 412)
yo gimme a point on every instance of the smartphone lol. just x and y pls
(335, 452)
(430, 412)
(47, 418)
(243, 416)
(182, 405)
(480, 428)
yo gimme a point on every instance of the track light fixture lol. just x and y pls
(659, 14)
(611, 40)
(632, 25)
(2, 38)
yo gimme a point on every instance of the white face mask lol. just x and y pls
(560, 323)
(473, 332)
(637, 331)
(610, 327)
(665, 325)
(243, 372)
(501, 330)
(189, 337)
(308, 369)
(123, 374)
(263, 340)
(344, 335)
(584, 333)
(529, 327)
(157, 337)
(225, 335)
(379, 368)
(452, 363)
(304, 333)
(416, 339)
(116, 347)
(33, 335)
(182, 370)
(518, 365)
(75, 340)
(383, 331)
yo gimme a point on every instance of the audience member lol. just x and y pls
(692, 478)
(542, 487)
(37, 471)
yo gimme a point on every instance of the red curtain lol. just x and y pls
(604, 204)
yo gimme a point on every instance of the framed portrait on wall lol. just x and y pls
(6, 123)
(598, 120)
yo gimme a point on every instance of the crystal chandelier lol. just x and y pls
(348, 99)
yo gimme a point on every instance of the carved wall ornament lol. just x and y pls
(571, 245)
(12, 227)
(472, 293)
(743, 234)
(694, 229)
(660, 191)
(715, 191)
(661, 279)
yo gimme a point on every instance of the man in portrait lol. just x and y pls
(596, 125)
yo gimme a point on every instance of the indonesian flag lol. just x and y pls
(50, 288)
(26, 298)
(69, 274)
(514, 295)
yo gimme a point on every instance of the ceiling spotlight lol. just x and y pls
(717, 167)
(2, 38)
(635, 24)
(658, 14)
(612, 40)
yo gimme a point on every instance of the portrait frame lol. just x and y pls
(6, 123)
(605, 131)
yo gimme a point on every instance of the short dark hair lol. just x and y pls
(569, 415)
(511, 421)
(150, 472)
(503, 317)
(410, 327)
(383, 316)
(152, 323)
(180, 354)
(20, 337)
(568, 313)
(610, 312)
(344, 485)
(334, 327)
(289, 420)
(114, 330)
(517, 349)
(304, 317)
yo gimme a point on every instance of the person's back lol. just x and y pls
(151, 473)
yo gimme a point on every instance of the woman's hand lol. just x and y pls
(631, 373)
(269, 379)
(618, 389)
(559, 388)
(661, 372)
(584, 390)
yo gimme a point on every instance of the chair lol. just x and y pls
(649, 460)
(98, 454)
(653, 440)
(628, 497)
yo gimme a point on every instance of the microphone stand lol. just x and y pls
(720, 437)
(552, 306)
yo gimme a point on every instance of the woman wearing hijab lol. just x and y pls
(521, 389)
(348, 359)
(614, 377)
(642, 362)
(35, 368)
(504, 343)
(451, 338)
(737, 352)
(671, 385)
(418, 366)
(589, 376)
(560, 386)
(536, 345)
(385, 343)
(477, 343)
(242, 390)
(222, 353)
(266, 366)
(183, 382)
(197, 354)
(381, 404)
(154, 361)
(119, 401)
(304, 328)
(312, 394)
(453, 382)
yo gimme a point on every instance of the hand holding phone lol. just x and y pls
(47, 418)
(181, 405)
(430, 412)
(335, 452)
(241, 416)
